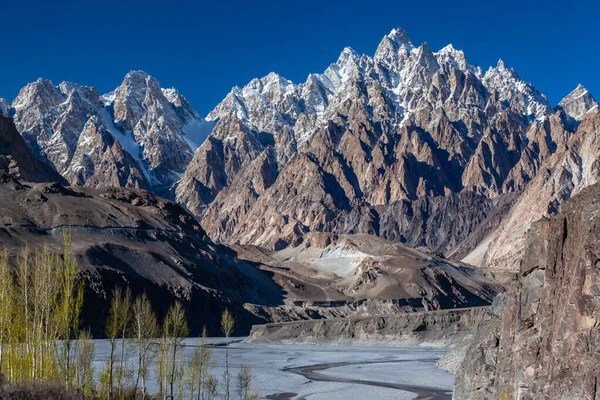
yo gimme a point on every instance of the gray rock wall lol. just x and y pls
(438, 328)
(541, 340)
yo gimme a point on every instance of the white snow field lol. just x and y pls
(324, 372)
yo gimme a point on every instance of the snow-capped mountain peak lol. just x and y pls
(450, 55)
(394, 47)
(515, 92)
(426, 58)
(346, 66)
(401, 86)
(399, 36)
(155, 131)
(272, 87)
(578, 103)
(348, 55)
(501, 66)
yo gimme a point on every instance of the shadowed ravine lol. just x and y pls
(312, 372)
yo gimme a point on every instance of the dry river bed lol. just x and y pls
(325, 372)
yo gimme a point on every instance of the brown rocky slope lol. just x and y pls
(130, 237)
(574, 166)
(353, 275)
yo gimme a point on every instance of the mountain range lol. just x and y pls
(411, 145)
(410, 180)
(128, 237)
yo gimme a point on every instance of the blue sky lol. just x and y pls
(204, 48)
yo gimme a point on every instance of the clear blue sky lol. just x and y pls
(204, 48)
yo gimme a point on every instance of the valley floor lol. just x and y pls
(327, 372)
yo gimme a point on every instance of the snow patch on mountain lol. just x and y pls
(128, 143)
(578, 103)
(108, 98)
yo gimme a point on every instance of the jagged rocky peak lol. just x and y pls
(450, 54)
(133, 96)
(155, 131)
(399, 36)
(397, 40)
(348, 55)
(140, 96)
(408, 124)
(42, 96)
(268, 91)
(425, 57)
(35, 98)
(233, 102)
(182, 105)
(162, 122)
(73, 89)
(315, 92)
(50, 118)
(272, 83)
(578, 103)
(101, 160)
(80, 98)
(348, 68)
(270, 105)
(271, 90)
(513, 92)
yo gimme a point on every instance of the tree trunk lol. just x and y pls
(227, 368)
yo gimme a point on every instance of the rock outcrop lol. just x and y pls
(542, 338)
(439, 328)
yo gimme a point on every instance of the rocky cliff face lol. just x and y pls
(440, 328)
(541, 340)
(573, 167)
